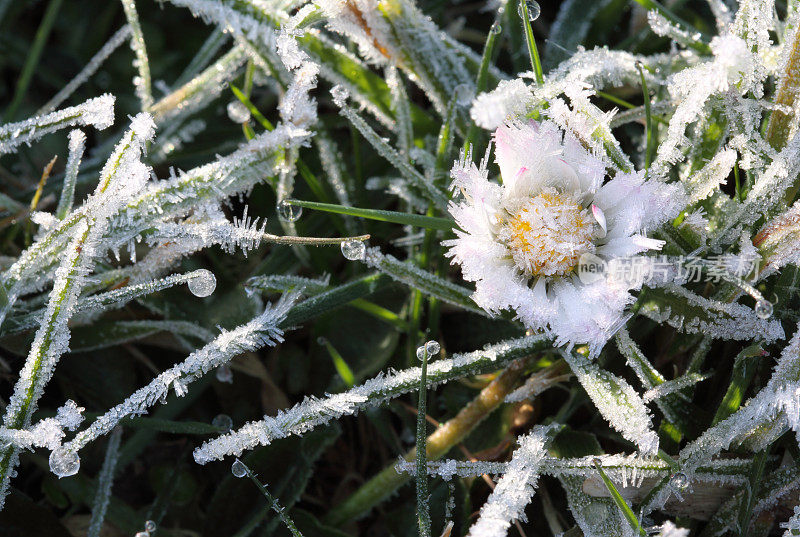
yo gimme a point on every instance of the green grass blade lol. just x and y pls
(33, 58)
(533, 52)
(423, 502)
(395, 217)
(648, 152)
(339, 363)
(620, 501)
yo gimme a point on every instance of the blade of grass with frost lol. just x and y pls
(672, 407)
(286, 282)
(91, 306)
(409, 219)
(693, 314)
(104, 482)
(200, 90)
(51, 340)
(97, 112)
(218, 180)
(766, 195)
(46, 250)
(254, 29)
(397, 32)
(423, 499)
(777, 485)
(515, 489)
(674, 19)
(401, 109)
(261, 331)
(89, 69)
(430, 191)
(340, 181)
(424, 281)
(621, 503)
(271, 500)
(142, 82)
(313, 412)
(616, 401)
(761, 420)
(77, 144)
(336, 297)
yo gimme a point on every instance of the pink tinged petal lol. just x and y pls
(600, 217)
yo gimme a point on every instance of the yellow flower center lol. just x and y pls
(548, 234)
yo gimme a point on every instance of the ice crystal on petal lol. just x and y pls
(511, 98)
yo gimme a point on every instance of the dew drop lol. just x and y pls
(224, 374)
(354, 250)
(203, 283)
(597, 461)
(322, 340)
(679, 481)
(150, 526)
(64, 463)
(238, 469)
(496, 29)
(433, 348)
(533, 10)
(238, 112)
(763, 309)
(288, 212)
(222, 421)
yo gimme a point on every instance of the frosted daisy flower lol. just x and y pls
(521, 241)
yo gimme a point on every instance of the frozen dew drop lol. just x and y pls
(288, 212)
(222, 421)
(224, 374)
(353, 250)
(533, 9)
(433, 348)
(464, 94)
(421, 353)
(763, 309)
(238, 112)
(238, 469)
(203, 283)
(679, 481)
(597, 461)
(496, 28)
(64, 463)
(150, 526)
